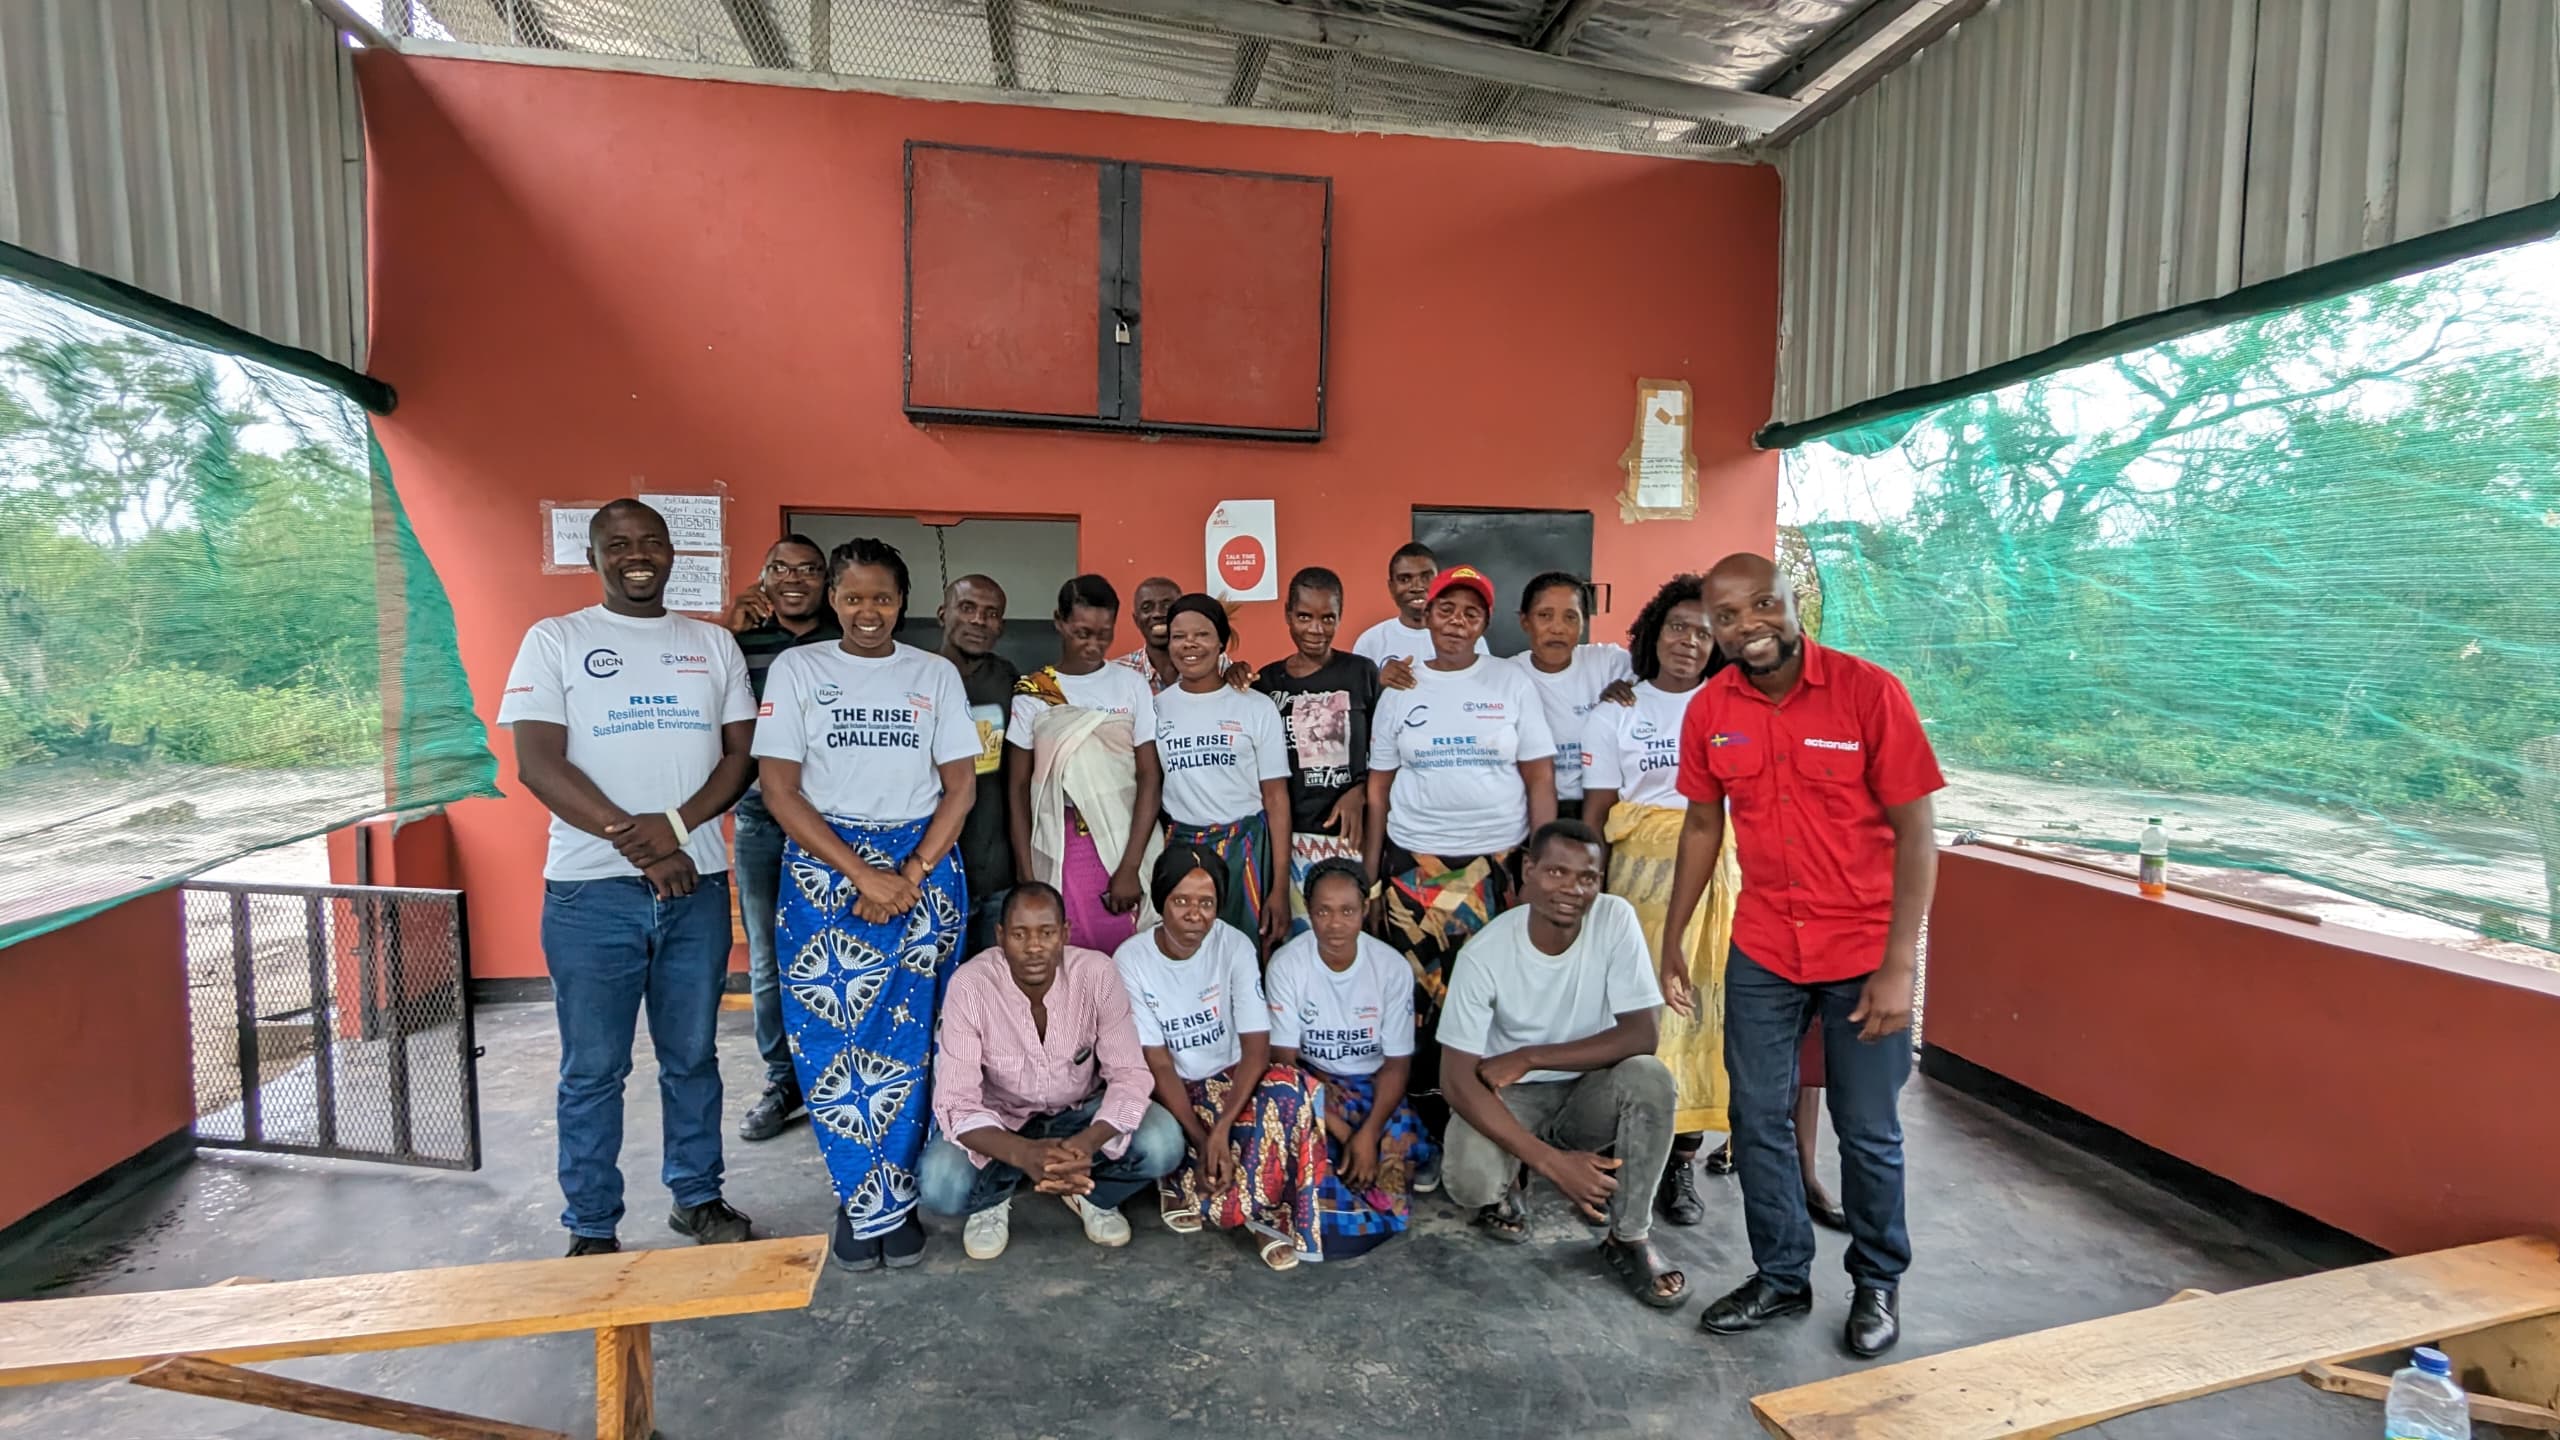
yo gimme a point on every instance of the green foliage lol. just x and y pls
(2310, 559)
(173, 590)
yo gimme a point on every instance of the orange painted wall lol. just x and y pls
(581, 278)
(95, 1059)
(2401, 1092)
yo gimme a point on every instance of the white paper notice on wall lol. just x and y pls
(1662, 470)
(1242, 557)
(564, 542)
(693, 585)
(693, 521)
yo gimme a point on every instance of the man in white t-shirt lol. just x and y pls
(1547, 1060)
(1402, 635)
(632, 727)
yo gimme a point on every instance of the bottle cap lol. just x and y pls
(2155, 819)
(2433, 1362)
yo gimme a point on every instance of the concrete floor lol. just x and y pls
(1439, 1333)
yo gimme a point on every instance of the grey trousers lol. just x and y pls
(1625, 1109)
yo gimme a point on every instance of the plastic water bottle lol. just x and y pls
(2425, 1404)
(2154, 874)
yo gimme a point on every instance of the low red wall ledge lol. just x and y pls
(2402, 1092)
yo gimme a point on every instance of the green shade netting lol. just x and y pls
(217, 631)
(2293, 583)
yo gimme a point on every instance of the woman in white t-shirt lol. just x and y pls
(1632, 797)
(1085, 787)
(869, 764)
(1342, 1011)
(1225, 758)
(1256, 1145)
(1570, 675)
(1461, 769)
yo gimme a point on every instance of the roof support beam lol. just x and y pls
(1463, 55)
(1251, 56)
(1861, 51)
(1491, 104)
(759, 32)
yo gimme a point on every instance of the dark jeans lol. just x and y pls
(757, 859)
(986, 915)
(949, 1183)
(1765, 1019)
(613, 947)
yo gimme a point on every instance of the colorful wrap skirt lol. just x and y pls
(1281, 1164)
(1358, 1221)
(1427, 908)
(1245, 846)
(859, 1001)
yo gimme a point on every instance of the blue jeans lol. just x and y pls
(756, 860)
(947, 1183)
(986, 917)
(614, 946)
(1765, 1019)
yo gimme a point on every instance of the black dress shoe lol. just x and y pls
(1828, 1215)
(1676, 1198)
(772, 1111)
(593, 1245)
(1875, 1322)
(1753, 1303)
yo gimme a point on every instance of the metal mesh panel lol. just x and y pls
(333, 1020)
(1046, 47)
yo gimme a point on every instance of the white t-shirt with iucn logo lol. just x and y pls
(1200, 1008)
(1216, 750)
(1635, 749)
(868, 733)
(643, 701)
(1456, 741)
(1343, 1023)
(1569, 695)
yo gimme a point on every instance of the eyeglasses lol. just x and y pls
(781, 571)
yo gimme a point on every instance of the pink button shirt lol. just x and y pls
(995, 1069)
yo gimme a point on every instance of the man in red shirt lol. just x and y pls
(1828, 774)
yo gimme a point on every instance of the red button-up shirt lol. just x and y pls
(1808, 778)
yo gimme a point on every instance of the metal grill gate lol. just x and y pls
(333, 1020)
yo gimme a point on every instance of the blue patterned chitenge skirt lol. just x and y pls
(859, 1002)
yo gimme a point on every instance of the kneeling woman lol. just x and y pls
(869, 763)
(1256, 1130)
(1342, 1010)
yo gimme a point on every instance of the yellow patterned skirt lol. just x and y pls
(1644, 843)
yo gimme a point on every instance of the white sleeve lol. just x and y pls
(1395, 1018)
(955, 735)
(1384, 722)
(1484, 649)
(1270, 738)
(1537, 738)
(1466, 1017)
(1244, 981)
(1020, 718)
(1368, 648)
(737, 697)
(1142, 708)
(1600, 767)
(1632, 985)
(781, 724)
(1282, 992)
(1141, 1014)
(1615, 664)
(534, 691)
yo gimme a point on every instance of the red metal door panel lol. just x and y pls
(1232, 300)
(1003, 300)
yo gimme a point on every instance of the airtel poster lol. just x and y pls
(1242, 558)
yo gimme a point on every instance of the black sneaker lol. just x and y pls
(1676, 1198)
(713, 1222)
(593, 1245)
(773, 1110)
(852, 1254)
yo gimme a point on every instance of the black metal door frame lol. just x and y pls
(384, 1012)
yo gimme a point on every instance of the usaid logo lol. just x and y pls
(603, 664)
(684, 659)
(1491, 709)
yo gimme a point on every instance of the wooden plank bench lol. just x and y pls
(197, 1340)
(2056, 1381)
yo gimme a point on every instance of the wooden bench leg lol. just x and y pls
(626, 1395)
(193, 1375)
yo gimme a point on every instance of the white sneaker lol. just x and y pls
(1107, 1228)
(988, 1231)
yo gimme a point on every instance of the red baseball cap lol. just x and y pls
(1457, 576)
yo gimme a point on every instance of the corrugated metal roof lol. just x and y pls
(2052, 169)
(208, 152)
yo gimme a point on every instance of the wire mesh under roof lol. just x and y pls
(1067, 49)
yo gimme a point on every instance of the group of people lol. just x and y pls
(1291, 944)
